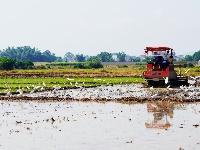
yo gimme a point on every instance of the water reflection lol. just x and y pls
(90, 125)
(160, 112)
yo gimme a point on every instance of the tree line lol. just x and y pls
(194, 57)
(10, 63)
(35, 55)
(28, 53)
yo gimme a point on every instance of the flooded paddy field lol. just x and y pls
(110, 117)
(92, 125)
(127, 92)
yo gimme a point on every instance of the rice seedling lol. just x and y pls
(28, 84)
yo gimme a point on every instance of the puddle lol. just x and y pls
(90, 125)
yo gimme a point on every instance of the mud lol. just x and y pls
(130, 93)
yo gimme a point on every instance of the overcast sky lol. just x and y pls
(92, 26)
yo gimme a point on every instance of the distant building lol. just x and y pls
(127, 58)
(114, 56)
(86, 57)
(178, 57)
(131, 57)
(142, 57)
(70, 59)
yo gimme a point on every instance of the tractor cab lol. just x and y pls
(160, 67)
(159, 58)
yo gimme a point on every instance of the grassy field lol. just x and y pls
(39, 84)
(66, 77)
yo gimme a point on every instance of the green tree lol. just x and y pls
(95, 63)
(92, 58)
(196, 56)
(147, 59)
(59, 59)
(121, 56)
(48, 56)
(136, 59)
(188, 58)
(190, 65)
(26, 64)
(105, 57)
(28, 53)
(80, 58)
(7, 63)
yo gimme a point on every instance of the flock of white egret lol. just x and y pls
(112, 92)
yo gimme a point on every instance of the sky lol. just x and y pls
(92, 26)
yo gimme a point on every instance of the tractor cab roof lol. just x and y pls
(162, 48)
(159, 51)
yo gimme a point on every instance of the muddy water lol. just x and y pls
(108, 92)
(119, 91)
(91, 125)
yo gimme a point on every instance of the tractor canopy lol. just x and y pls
(159, 51)
(163, 48)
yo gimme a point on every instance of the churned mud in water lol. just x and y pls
(91, 125)
(121, 93)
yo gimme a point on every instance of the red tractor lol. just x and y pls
(160, 68)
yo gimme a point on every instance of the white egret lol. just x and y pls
(169, 88)
(151, 88)
(76, 84)
(21, 92)
(69, 79)
(42, 88)
(44, 84)
(191, 82)
(57, 87)
(166, 80)
(8, 92)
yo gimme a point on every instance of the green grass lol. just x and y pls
(27, 84)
